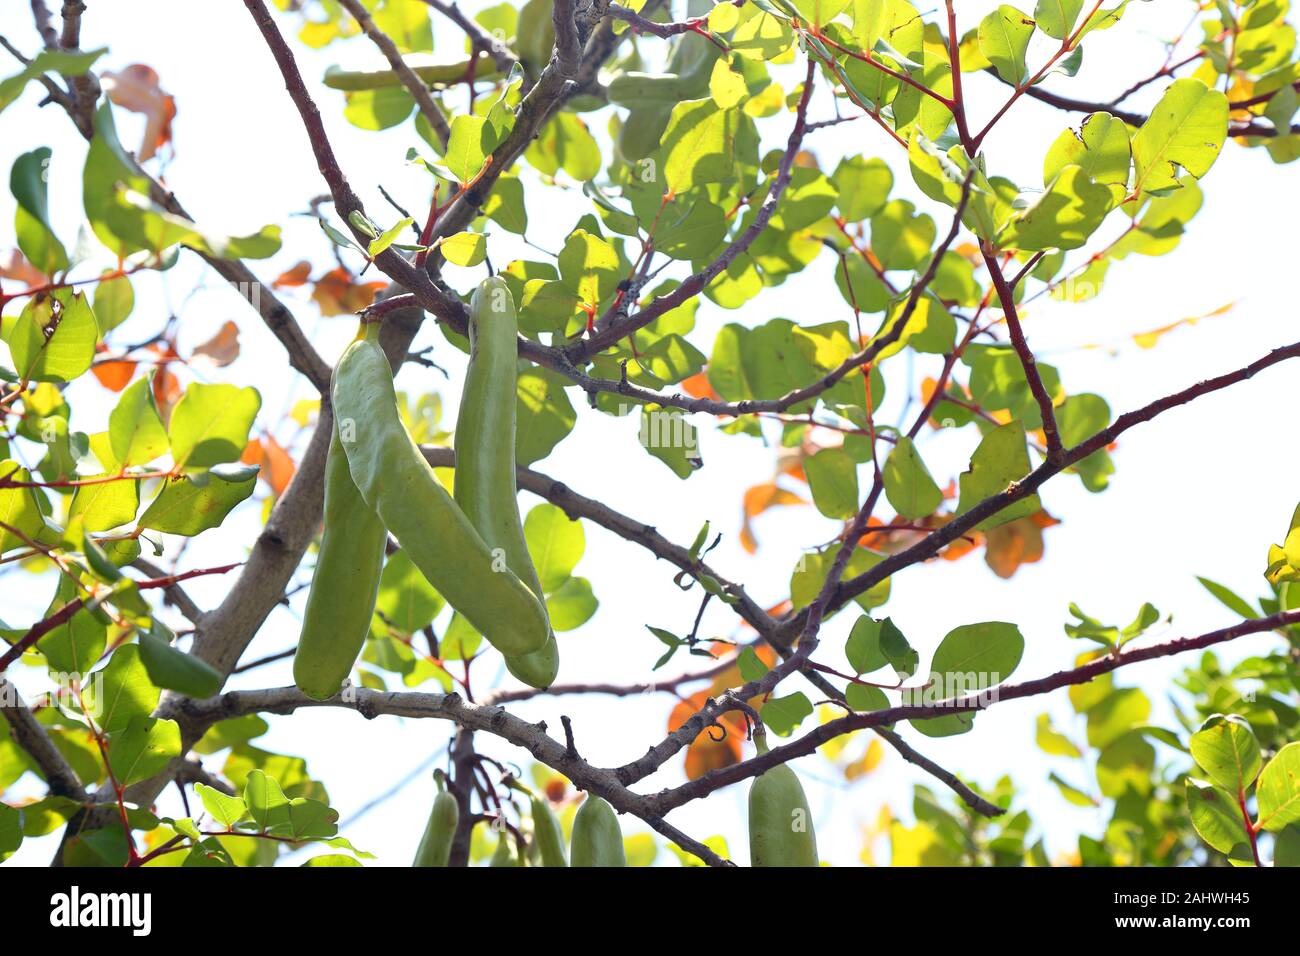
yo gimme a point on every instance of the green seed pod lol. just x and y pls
(503, 855)
(485, 455)
(435, 74)
(547, 835)
(344, 586)
(435, 846)
(597, 839)
(780, 824)
(394, 478)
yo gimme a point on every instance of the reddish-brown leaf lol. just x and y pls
(137, 89)
(300, 274)
(338, 293)
(222, 348)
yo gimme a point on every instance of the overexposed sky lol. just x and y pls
(1202, 490)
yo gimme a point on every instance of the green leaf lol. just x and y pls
(210, 424)
(565, 143)
(783, 715)
(378, 109)
(389, 236)
(555, 543)
(20, 509)
(68, 63)
(1051, 741)
(544, 415)
(900, 237)
(112, 302)
(1056, 18)
(143, 748)
(28, 182)
(1185, 131)
(464, 248)
(135, 428)
(465, 147)
(571, 605)
(833, 478)
(762, 37)
(974, 657)
(406, 599)
(1064, 216)
(74, 647)
(908, 483)
(1278, 792)
(1226, 749)
(699, 145)
(11, 831)
(1217, 819)
(171, 668)
(863, 647)
(668, 435)
(1072, 793)
(505, 205)
(1001, 459)
(53, 338)
(191, 504)
(1100, 148)
(266, 802)
(1116, 714)
(1126, 765)
(589, 267)
(811, 570)
(121, 691)
(1003, 39)
(226, 810)
(1228, 598)
(862, 186)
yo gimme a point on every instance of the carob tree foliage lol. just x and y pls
(685, 136)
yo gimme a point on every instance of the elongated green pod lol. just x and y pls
(502, 855)
(780, 823)
(485, 455)
(597, 839)
(435, 74)
(344, 585)
(394, 478)
(435, 845)
(547, 834)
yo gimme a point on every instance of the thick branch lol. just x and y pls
(29, 734)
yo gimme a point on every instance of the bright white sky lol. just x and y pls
(1202, 490)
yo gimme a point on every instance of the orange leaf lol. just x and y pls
(706, 753)
(222, 348)
(136, 89)
(757, 500)
(1016, 542)
(114, 374)
(699, 386)
(280, 467)
(300, 274)
(337, 293)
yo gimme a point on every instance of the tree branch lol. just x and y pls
(30, 734)
(1007, 297)
(715, 779)
(414, 85)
